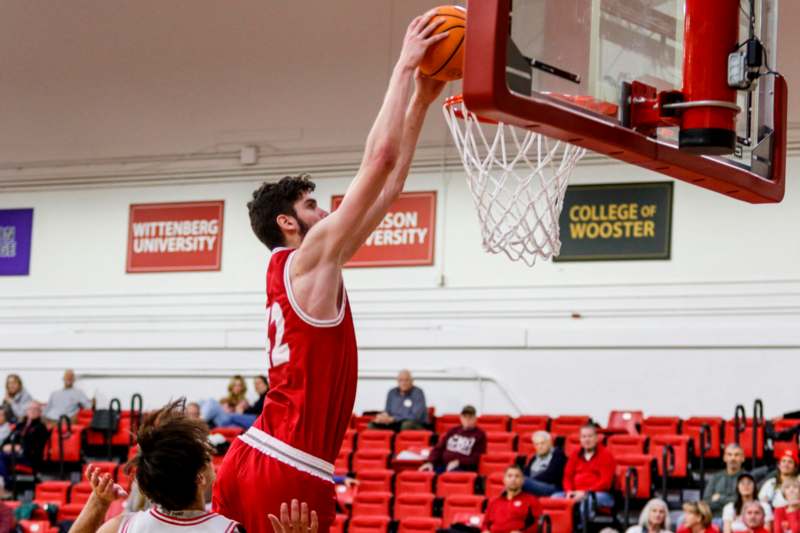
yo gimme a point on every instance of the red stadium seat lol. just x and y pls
(455, 483)
(370, 460)
(230, 434)
(413, 505)
(661, 425)
(368, 524)
(525, 444)
(445, 422)
(416, 438)
(106, 467)
(419, 525)
(495, 462)
(493, 422)
(572, 443)
(455, 505)
(746, 438)
(375, 439)
(342, 464)
(52, 492)
(410, 481)
(782, 424)
(349, 442)
(123, 435)
(37, 526)
(72, 445)
(500, 441)
(781, 447)
(643, 464)
(69, 511)
(80, 492)
(680, 444)
(338, 523)
(692, 426)
(371, 504)
(530, 423)
(361, 423)
(495, 485)
(566, 425)
(560, 512)
(622, 444)
(84, 417)
(627, 422)
(375, 480)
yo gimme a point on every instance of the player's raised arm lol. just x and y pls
(330, 239)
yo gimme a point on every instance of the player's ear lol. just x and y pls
(286, 223)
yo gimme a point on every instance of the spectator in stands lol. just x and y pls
(261, 386)
(193, 411)
(67, 401)
(228, 411)
(16, 399)
(514, 511)
(590, 469)
(546, 468)
(26, 443)
(654, 518)
(5, 426)
(173, 469)
(460, 448)
(721, 487)
(754, 518)
(697, 518)
(787, 469)
(733, 512)
(237, 395)
(405, 406)
(787, 518)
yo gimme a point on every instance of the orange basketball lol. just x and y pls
(445, 59)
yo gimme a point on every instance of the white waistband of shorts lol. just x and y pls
(277, 449)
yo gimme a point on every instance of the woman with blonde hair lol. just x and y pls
(16, 399)
(771, 489)
(654, 518)
(787, 518)
(697, 518)
(236, 400)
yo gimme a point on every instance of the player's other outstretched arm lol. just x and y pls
(330, 239)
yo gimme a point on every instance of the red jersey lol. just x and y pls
(313, 369)
(517, 514)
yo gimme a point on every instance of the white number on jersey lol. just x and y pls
(278, 352)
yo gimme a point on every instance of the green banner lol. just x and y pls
(614, 222)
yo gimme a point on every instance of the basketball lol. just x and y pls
(445, 60)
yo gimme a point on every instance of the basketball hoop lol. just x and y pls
(518, 179)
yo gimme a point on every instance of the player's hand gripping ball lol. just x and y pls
(445, 60)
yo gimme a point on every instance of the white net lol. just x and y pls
(518, 179)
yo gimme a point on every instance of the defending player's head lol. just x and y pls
(282, 213)
(173, 466)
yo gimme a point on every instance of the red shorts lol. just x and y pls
(251, 485)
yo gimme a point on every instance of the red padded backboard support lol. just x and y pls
(486, 94)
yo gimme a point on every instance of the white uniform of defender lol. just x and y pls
(160, 521)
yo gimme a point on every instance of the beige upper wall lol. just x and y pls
(85, 80)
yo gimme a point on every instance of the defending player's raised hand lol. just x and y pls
(295, 522)
(418, 39)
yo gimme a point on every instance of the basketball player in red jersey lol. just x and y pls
(289, 450)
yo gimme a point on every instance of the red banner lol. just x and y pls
(405, 236)
(175, 237)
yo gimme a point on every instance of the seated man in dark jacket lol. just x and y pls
(461, 447)
(545, 471)
(26, 443)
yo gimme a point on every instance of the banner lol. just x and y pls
(405, 236)
(616, 222)
(175, 237)
(16, 229)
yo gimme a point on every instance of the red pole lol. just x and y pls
(711, 34)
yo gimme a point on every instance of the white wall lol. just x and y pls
(714, 326)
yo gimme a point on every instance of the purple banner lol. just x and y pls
(16, 226)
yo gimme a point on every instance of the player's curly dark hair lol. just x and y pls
(173, 451)
(273, 199)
